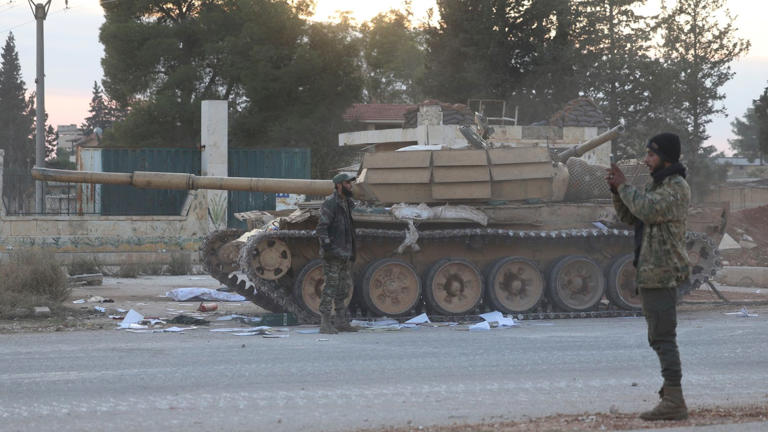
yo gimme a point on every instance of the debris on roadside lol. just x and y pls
(203, 294)
(184, 319)
(93, 299)
(419, 319)
(743, 313)
(208, 306)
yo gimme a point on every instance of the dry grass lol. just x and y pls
(30, 278)
(130, 270)
(80, 266)
(181, 264)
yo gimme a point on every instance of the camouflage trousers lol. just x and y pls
(338, 283)
(660, 310)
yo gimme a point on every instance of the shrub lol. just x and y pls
(181, 264)
(84, 265)
(31, 278)
(129, 270)
(152, 269)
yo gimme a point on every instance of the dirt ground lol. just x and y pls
(145, 295)
(748, 225)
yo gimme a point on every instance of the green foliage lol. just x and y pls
(620, 74)
(287, 80)
(471, 52)
(61, 161)
(51, 138)
(31, 278)
(761, 115)
(181, 264)
(17, 120)
(746, 130)
(699, 47)
(393, 58)
(104, 112)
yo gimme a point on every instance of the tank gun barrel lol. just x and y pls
(159, 180)
(580, 149)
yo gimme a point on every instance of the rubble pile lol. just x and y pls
(748, 228)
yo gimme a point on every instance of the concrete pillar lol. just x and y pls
(213, 138)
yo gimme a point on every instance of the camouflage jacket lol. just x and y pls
(663, 209)
(335, 229)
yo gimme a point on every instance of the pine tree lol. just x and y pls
(698, 48)
(761, 115)
(103, 112)
(16, 129)
(615, 43)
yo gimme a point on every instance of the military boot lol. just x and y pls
(325, 324)
(342, 324)
(671, 407)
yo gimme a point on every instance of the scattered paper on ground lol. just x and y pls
(184, 294)
(499, 319)
(481, 326)
(743, 313)
(419, 319)
(132, 317)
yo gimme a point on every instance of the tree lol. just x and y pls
(51, 139)
(287, 79)
(469, 53)
(615, 44)
(747, 131)
(698, 47)
(104, 112)
(761, 115)
(392, 58)
(16, 128)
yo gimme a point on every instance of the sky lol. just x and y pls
(73, 52)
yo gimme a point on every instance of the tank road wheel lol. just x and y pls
(219, 255)
(270, 259)
(391, 287)
(576, 283)
(515, 285)
(308, 287)
(453, 286)
(622, 289)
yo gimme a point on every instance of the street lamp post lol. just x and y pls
(40, 11)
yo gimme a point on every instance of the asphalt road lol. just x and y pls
(200, 380)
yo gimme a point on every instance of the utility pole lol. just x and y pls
(40, 11)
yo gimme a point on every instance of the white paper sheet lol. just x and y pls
(132, 317)
(481, 326)
(419, 319)
(184, 294)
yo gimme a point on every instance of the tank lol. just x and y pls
(521, 230)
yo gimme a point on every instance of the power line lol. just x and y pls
(65, 8)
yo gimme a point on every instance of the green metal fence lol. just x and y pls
(130, 201)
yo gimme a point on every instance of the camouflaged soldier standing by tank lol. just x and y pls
(658, 214)
(336, 232)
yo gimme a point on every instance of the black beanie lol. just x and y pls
(667, 146)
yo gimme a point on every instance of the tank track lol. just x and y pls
(276, 297)
(235, 281)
